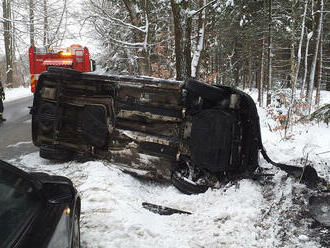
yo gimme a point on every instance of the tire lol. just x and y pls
(46, 116)
(75, 242)
(206, 91)
(52, 153)
(183, 184)
(187, 187)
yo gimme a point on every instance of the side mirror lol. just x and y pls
(58, 193)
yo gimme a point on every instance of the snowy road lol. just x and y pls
(15, 133)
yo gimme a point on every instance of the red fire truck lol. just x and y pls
(74, 57)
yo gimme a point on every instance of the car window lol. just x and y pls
(18, 202)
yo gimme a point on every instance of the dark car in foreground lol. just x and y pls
(190, 132)
(37, 210)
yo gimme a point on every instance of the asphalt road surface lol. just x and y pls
(15, 133)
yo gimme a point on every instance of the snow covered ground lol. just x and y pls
(16, 93)
(245, 214)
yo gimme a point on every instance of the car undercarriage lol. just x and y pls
(151, 127)
(195, 134)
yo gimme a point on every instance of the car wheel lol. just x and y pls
(52, 153)
(76, 231)
(183, 180)
(206, 91)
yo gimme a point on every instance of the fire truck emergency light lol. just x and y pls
(66, 53)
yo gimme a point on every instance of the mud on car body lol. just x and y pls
(190, 132)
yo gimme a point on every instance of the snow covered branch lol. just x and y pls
(192, 13)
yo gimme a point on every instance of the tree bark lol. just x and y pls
(261, 84)
(319, 73)
(31, 17)
(250, 69)
(300, 46)
(308, 35)
(269, 84)
(187, 46)
(46, 26)
(179, 57)
(200, 42)
(293, 62)
(316, 52)
(7, 26)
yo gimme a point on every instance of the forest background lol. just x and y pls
(281, 48)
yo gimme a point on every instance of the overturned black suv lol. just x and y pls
(190, 132)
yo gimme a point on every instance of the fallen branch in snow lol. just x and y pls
(162, 210)
(322, 153)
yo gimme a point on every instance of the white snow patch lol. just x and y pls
(230, 3)
(16, 93)
(20, 143)
(112, 213)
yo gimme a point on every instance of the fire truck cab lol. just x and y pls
(74, 57)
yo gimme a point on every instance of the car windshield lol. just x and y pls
(18, 202)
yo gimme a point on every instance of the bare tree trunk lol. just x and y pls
(200, 41)
(8, 41)
(300, 46)
(177, 19)
(187, 29)
(13, 43)
(261, 84)
(313, 66)
(235, 65)
(145, 64)
(31, 17)
(46, 26)
(319, 73)
(250, 70)
(243, 76)
(187, 46)
(293, 55)
(309, 36)
(269, 84)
